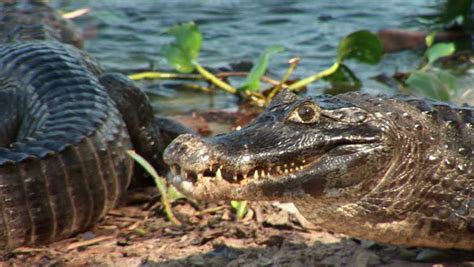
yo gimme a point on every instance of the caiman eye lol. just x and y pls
(305, 113)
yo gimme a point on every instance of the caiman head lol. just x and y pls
(355, 164)
(321, 147)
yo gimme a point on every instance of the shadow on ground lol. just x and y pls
(347, 252)
(270, 234)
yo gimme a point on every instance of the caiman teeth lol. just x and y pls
(183, 174)
(241, 178)
(174, 169)
(255, 175)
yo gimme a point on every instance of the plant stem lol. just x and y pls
(293, 64)
(264, 78)
(194, 86)
(163, 75)
(256, 98)
(76, 13)
(181, 76)
(312, 78)
(211, 77)
(160, 184)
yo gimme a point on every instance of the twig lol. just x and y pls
(182, 76)
(293, 64)
(164, 75)
(211, 77)
(301, 83)
(257, 98)
(226, 74)
(134, 226)
(76, 13)
(210, 210)
(25, 250)
(198, 87)
(114, 213)
(88, 242)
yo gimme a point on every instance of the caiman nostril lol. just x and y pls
(190, 151)
(209, 173)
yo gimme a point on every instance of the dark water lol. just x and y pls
(128, 37)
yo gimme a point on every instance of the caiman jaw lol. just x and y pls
(256, 174)
(203, 173)
(212, 178)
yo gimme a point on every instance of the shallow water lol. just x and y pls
(128, 37)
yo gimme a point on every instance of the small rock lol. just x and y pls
(274, 240)
(196, 260)
(264, 262)
(88, 235)
(364, 258)
(280, 219)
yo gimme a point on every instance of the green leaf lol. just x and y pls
(439, 85)
(455, 10)
(160, 184)
(429, 39)
(252, 82)
(439, 50)
(345, 78)
(174, 194)
(240, 208)
(363, 46)
(182, 53)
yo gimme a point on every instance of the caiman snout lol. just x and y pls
(190, 151)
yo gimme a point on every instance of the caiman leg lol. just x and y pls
(149, 134)
(137, 114)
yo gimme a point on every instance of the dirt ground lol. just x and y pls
(270, 234)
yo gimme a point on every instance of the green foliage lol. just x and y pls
(182, 53)
(252, 82)
(160, 184)
(363, 46)
(429, 39)
(439, 50)
(436, 84)
(439, 85)
(174, 194)
(240, 208)
(456, 10)
(344, 78)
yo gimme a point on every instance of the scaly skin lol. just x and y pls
(65, 127)
(396, 171)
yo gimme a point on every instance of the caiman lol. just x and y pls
(65, 127)
(393, 170)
